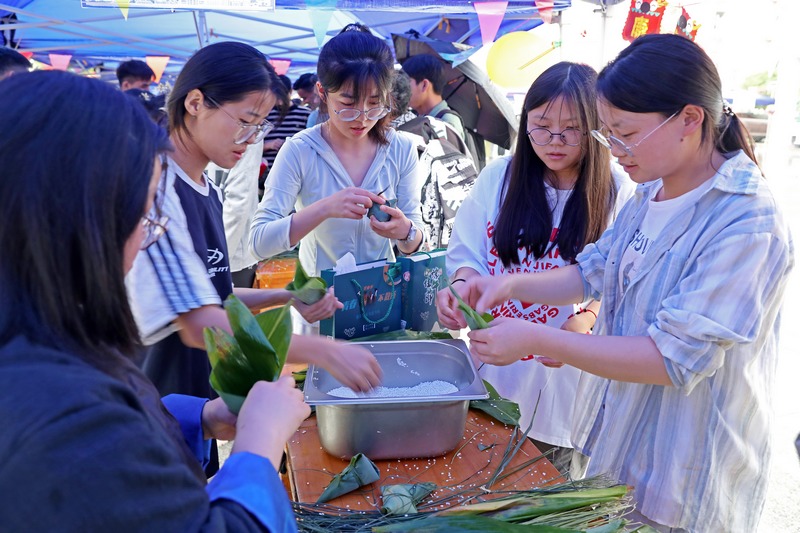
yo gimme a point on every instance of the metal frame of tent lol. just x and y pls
(96, 35)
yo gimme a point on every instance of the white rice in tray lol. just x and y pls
(426, 388)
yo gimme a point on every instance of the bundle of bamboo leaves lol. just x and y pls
(256, 351)
(594, 505)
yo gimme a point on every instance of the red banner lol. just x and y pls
(687, 26)
(644, 17)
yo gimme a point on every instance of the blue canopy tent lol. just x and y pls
(95, 36)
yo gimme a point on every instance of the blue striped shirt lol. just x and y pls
(708, 294)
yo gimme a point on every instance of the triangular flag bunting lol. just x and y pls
(545, 8)
(123, 6)
(28, 55)
(490, 15)
(320, 13)
(281, 66)
(158, 64)
(60, 61)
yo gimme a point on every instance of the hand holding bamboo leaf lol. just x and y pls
(305, 288)
(474, 319)
(256, 351)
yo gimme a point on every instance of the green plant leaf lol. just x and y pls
(231, 370)
(454, 524)
(381, 216)
(403, 498)
(277, 326)
(475, 320)
(305, 288)
(252, 340)
(361, 471)
(497, 407)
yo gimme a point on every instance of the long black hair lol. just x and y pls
(357, 58)
(74, 179)
(662, 73)
(225, 72)
(525, 218)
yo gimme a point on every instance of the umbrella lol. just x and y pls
(483, 107)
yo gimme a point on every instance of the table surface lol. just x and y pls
(311, 468)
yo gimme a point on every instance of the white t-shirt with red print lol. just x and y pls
(471, 246)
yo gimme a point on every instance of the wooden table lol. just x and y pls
(310, 468)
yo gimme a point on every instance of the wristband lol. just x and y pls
(458, 279)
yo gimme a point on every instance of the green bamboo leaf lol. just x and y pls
(252, 340)
(475, 320)
(231, 370)
(361, 471)
(305, 288)
(381, 216)
(402, 499)
(497, 407)
(455, 524)
(277, 327)
(557, 503)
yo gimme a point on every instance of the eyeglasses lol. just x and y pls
(153, 230)
(543, 136)
(349, 114)
(247, 130)
(610, 141)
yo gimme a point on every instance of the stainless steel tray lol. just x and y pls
(402, 427)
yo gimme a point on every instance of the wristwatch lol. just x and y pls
(412, 233)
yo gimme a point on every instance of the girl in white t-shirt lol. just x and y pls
(530, 213)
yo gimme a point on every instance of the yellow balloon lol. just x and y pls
(517, 58)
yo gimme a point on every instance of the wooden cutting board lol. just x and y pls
(310, 468)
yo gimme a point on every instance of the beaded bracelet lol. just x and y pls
(587, 310)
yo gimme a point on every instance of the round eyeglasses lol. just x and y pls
(611, 142)
(154, 228)
(543, 136)
(349, 114)
(247, 130)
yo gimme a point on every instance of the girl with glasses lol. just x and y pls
(533, 212)
(217, 108)
(692, 276)
(327, 177)
(83, 427)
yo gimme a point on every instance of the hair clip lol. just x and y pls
(727, 109)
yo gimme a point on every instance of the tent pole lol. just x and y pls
(200, 27)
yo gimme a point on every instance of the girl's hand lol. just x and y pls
(579, 323)
(218, 422)
(450, 316)
(324, 308)
(485, 292)
(270, 415)
(352, 366)
(546, 361)
(505, 340)
(352, 202)
(396, 228)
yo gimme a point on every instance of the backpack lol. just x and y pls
(473, 140)
(450, 174)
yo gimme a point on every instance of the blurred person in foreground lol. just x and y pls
(87, 443)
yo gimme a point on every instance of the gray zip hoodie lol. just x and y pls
(307, 170)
